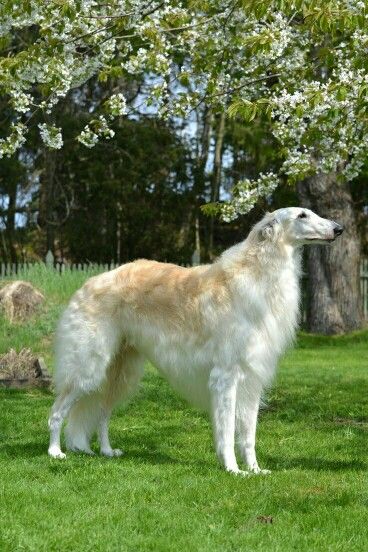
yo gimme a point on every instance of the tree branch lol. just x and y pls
(235, 88)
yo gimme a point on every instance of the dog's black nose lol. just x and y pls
(338, 229)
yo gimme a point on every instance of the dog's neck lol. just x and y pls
(266, 259)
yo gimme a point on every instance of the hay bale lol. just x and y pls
(23, 369)
(17, 365)
(20, 300)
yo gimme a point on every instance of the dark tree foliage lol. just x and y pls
(124, 199)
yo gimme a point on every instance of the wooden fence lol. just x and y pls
(364, 286)
(12, 269)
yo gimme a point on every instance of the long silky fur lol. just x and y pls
(202, 327)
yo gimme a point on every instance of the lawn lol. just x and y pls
(167, 493)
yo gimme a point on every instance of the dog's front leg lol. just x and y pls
(248, 400)
(222, 384)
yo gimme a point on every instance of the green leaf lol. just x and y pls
(363, 91)
(211, 209)
(341, 93)
(299, 110)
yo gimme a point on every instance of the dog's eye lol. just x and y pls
(302, 215)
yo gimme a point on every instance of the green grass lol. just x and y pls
(167, 493)
(37, 333)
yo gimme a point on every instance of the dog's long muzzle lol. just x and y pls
(338, 230)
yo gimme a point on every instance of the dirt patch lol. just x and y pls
(351, 421)
(265, 519)
(19, 300)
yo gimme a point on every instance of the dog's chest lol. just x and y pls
(283, 295)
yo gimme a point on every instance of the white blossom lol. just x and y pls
(51, 136)
(88, 138)
(116, 105)
(247, 193)
(220, 54)
(21, 101)
(96, 129)
(14, 140)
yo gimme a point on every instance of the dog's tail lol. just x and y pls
(122, 378)
(83, 420)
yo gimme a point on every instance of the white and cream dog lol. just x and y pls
(215, 332)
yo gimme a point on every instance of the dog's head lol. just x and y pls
(297, 226)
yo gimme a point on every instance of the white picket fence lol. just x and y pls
(12, 269)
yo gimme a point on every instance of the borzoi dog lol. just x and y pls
(215, 332)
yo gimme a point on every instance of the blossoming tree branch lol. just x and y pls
(301, 64)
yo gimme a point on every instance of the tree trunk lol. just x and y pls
(47, 199)
(199, 173)
(10, 222)
(333, 270)
(216, 178)
(118, 232)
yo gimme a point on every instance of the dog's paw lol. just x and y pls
(55, 452)
(258, 471)
(110, 453)
(241, 473)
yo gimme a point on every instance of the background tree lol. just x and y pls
(300, 63)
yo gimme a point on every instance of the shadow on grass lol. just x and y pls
(295, 403)
(36, 449)
(147, 447)
(314, 464)
(131, 456)
(312, 341)
(23, 450)
(23, 394)
(150, 446)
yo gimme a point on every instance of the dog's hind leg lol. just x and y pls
(247, 406)
(59, 411)
(122, 380)
(85, 346)
(82, 422)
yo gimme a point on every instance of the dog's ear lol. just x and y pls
(270, 230)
